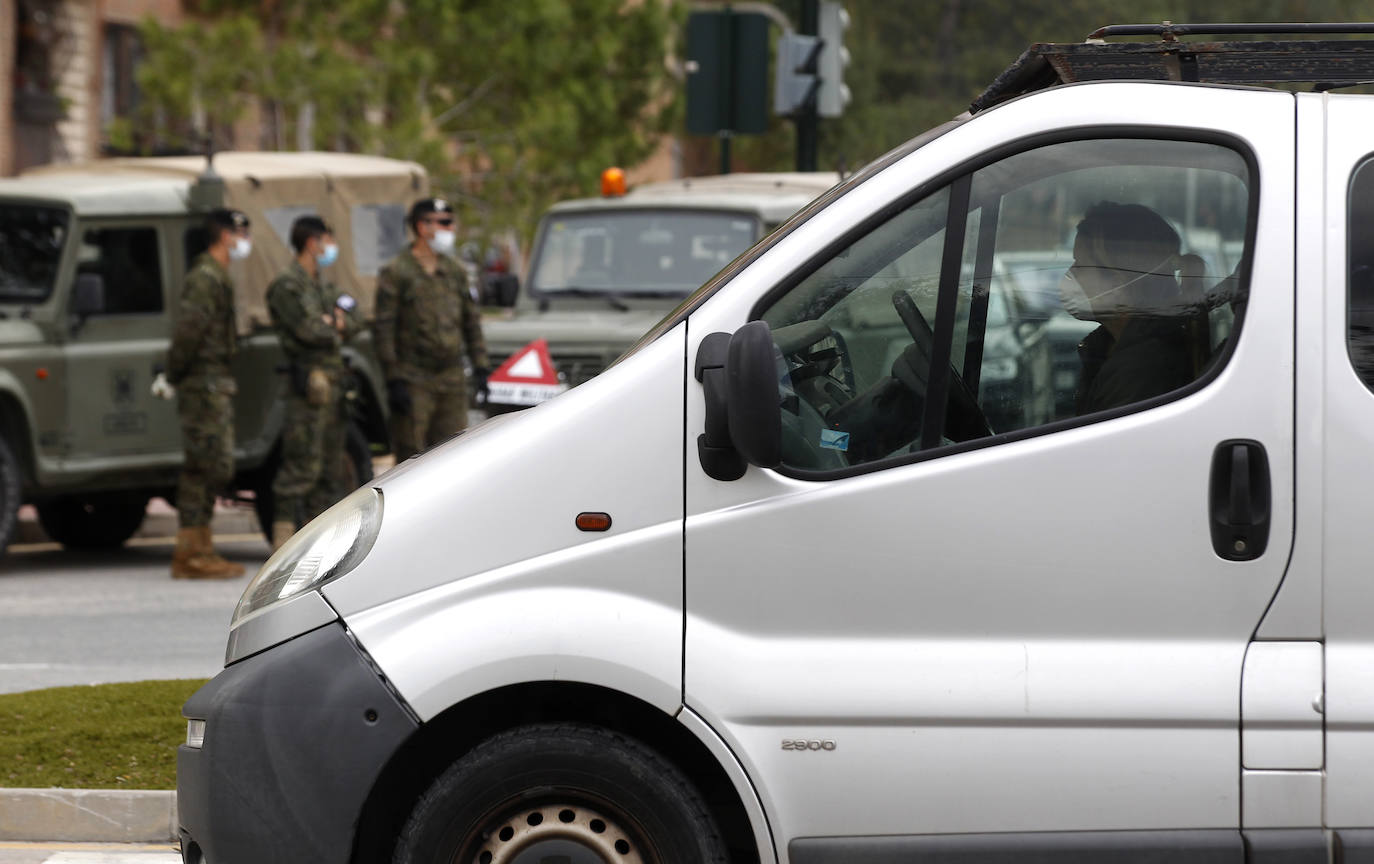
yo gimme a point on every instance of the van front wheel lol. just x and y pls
(561, 792)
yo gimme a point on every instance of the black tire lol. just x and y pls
(102, 520)
(11, 491)
(357, 470)
(580, 792)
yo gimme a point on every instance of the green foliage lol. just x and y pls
(510, 105)
(111, 736)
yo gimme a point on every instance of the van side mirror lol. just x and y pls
(752, 397)
(743, 410)
(88, 298)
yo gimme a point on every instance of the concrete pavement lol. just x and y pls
(88, 853)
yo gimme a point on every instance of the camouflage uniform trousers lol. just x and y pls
(207, 435)
(438, 411)
(309, 479)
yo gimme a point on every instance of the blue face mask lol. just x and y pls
(328, 256)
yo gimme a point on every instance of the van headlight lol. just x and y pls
(330, 546)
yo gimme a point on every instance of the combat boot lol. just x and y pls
(212, 562)
(189, 560)
(281, 532)
(182, 553)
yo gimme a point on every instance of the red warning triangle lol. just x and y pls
(530, 365)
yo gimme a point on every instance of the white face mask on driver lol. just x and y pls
(242, 247)
(1080, 305)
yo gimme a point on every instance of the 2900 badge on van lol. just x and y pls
(807, 744)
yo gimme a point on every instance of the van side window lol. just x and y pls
(128, 262)
(1083, 279)
(1360, 297)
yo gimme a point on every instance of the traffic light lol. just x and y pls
(727, 66)
(832, 95)
(795, 80)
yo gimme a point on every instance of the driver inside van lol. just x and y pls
(1123, 277)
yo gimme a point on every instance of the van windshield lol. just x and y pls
(31, 240)
(643, 252)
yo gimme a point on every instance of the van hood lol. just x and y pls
(507, 493)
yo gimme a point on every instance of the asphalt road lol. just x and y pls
(86, 853)
(91, 618)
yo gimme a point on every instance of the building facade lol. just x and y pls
(66, 73)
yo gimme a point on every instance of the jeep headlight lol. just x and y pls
(330, 546)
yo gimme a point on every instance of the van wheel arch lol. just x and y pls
(443, 740)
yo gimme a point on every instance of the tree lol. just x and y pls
(511, 106)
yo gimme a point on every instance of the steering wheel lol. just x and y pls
(964, 417)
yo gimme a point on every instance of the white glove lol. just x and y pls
(162, 388)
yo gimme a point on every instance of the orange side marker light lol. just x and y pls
(594, 521)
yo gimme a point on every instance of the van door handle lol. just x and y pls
(1239, 500)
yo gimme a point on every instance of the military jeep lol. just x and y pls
(92, 258)
(604, 270)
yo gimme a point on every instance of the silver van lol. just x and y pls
(779, 587)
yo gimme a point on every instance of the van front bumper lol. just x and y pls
(295, 738)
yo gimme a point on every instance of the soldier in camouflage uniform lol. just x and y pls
(312, 320)
(203, 344)
(426, 320)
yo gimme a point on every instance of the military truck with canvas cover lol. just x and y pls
(92, 258)
(605, 270)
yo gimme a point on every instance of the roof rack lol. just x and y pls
(1326, 63)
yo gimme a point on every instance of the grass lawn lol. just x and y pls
(110, 736)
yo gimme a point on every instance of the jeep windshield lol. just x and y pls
(637, 252)
(31, 239)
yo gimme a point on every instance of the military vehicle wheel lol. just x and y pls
(10, 490)
(356, 470)
(103, 520)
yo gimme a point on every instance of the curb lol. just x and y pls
(88, 815)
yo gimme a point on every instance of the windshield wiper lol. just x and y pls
(573, 291)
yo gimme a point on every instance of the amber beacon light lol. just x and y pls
(612, 183)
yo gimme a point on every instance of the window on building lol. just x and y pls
(122, 53)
